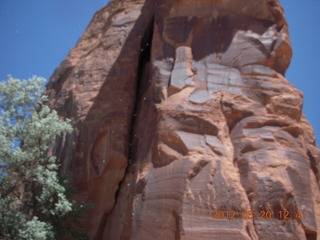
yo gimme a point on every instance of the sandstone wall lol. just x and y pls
(181, 109)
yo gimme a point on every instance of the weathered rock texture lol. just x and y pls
(181, 109)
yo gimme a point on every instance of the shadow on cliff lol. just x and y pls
(108, 129)
(119, 95)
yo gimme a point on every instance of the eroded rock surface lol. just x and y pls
(182, 109)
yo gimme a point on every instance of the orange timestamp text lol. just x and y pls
(282, 215)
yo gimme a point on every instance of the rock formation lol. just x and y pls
(182, 110)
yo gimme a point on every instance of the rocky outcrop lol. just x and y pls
(185, 125)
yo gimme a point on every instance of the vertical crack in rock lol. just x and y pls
(142, 84)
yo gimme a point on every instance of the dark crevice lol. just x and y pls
(142, 85)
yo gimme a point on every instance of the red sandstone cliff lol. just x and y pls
(181, 109)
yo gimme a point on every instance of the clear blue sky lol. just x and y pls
(36, 35)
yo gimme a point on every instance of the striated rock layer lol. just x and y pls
(182, 109)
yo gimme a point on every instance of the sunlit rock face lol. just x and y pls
(181, 110)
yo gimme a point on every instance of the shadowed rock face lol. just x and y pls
(182, 109)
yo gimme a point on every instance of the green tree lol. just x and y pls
(34, 203)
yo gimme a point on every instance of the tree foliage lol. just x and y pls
(34, 203)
